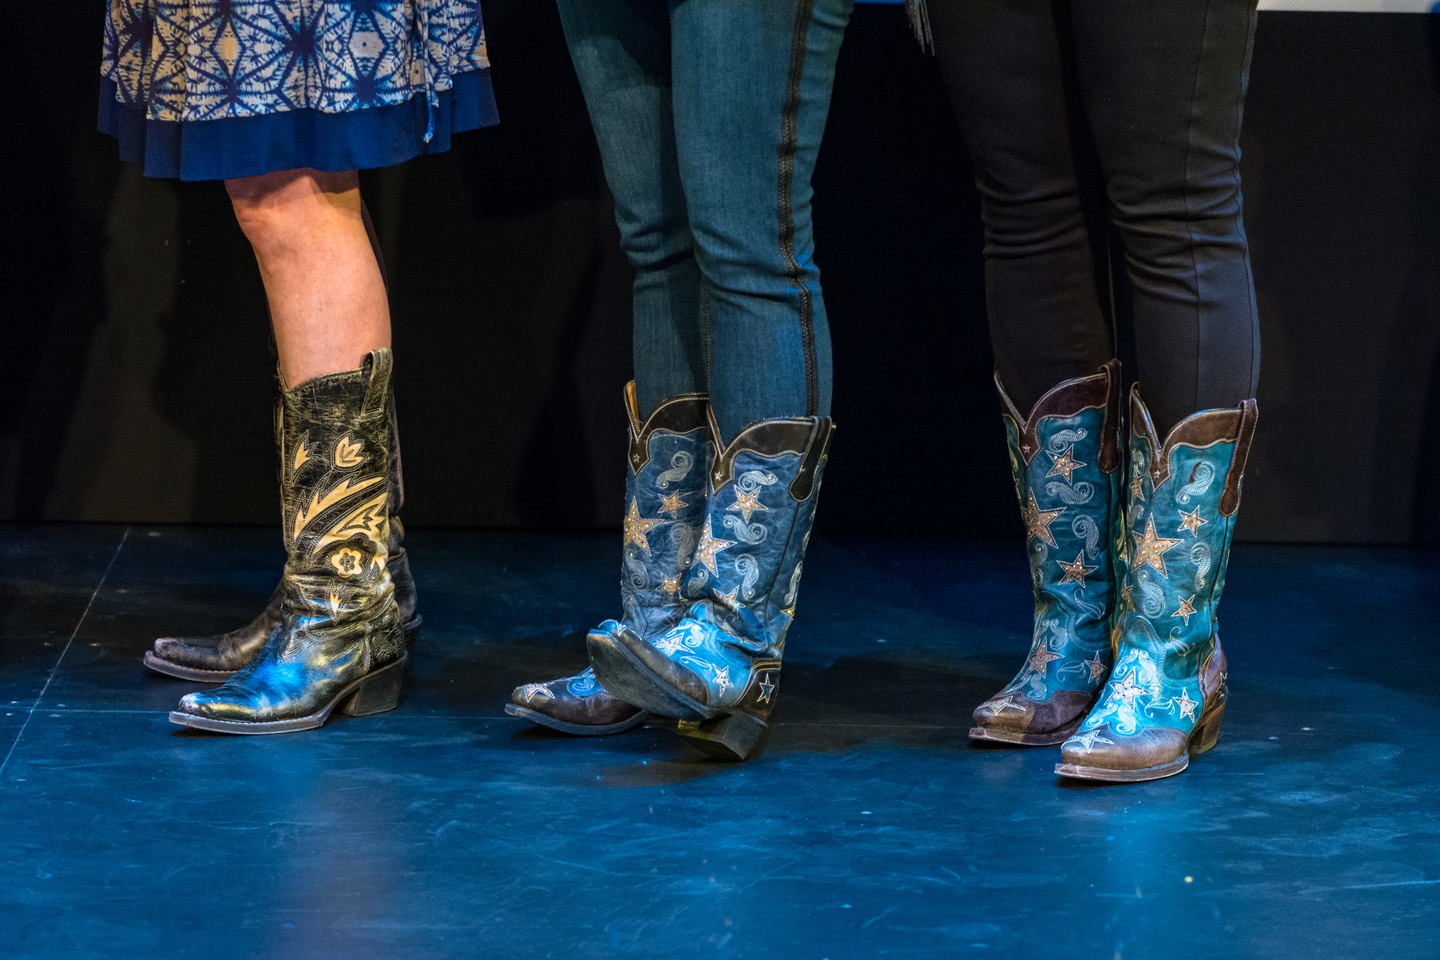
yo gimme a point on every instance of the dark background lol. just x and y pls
(137, 378)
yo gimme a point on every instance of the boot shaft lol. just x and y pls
(1065, 460)
(1183, 496)
(333, 434)
(764, 487)
(668, 456)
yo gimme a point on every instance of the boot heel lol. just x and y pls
(379, 693)
(730, 737)
(1208, 732)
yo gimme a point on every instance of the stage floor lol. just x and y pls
(871, 827)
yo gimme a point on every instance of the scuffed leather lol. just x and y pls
(669, 457)
(1169, 667)
(228, 652)
(726, 652)
(340, 620)
(579, 700)
(1071, 526)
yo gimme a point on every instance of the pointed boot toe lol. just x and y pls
(578, 705)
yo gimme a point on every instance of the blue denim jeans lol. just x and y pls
(709, 115)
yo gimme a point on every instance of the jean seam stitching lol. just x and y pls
(789, 137)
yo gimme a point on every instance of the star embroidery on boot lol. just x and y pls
(1191, 521)
(1037, 521)
(1186, 610)
(1186, 705)
(1065, 464)
(670, 584)
(532, 690)
(766, 688)
(672, 504)
(1127, 690)
(1088, 740)
(709, 547)
(637, 528)
(1150, 549)
(722, 678)
(669, 644)
(1040, 658)
(789, 611)
(1075, 572)
(1137, 487)
(748, 503)
(1001, 704)
(1097, 667)
(729, 598)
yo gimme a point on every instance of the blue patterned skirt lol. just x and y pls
(211, 89)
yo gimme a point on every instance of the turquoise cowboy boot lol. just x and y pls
(1065, 459)
(718, 669)
(340, 643)
(1166, 694)
(664, 507)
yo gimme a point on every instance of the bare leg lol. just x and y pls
(327, 298)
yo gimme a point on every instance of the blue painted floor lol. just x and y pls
(870, 828)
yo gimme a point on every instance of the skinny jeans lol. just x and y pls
(1093, 118)
(709, 115)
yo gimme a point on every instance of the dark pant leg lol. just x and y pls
(621, 51)
(1163, 83)
(752, 82)
(1006, 67)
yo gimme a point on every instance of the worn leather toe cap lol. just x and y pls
(1103, 747)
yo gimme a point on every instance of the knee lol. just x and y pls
(274, 209)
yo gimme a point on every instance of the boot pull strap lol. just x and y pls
(379, 364)
(1230, 498)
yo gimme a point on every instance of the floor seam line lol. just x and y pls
(66, 649)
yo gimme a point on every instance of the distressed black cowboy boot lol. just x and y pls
(1166, 695)
(339, 642)
(1065, 459)
(717, 670)
(669, 457)
(215, 658)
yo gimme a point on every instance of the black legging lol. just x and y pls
(1059, 98)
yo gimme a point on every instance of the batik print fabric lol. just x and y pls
(189, 60)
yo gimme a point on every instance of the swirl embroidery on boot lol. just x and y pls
(1200, 556)
(1088, 530)
(680, 466)
(683, 536)
(1201, 478)
(749, 569)
(751, 533)
(1082, 492)
(636, 574)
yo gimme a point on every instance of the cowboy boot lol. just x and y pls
(1065, 459)
(215, 658)
(665, 505)
(339, 642)
(1166, 694)
(717, 670)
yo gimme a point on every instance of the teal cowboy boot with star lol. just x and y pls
(717, 671)
(1065, 460)
(1166, 695)
(669, 457)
